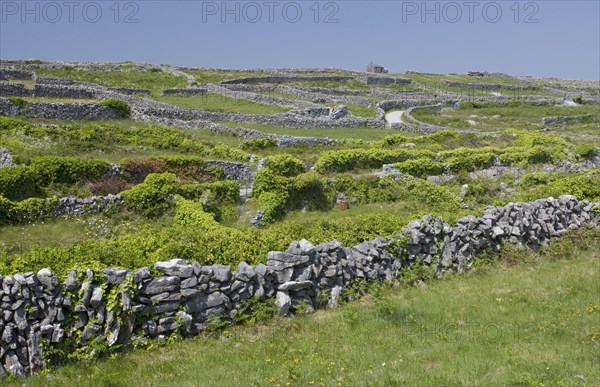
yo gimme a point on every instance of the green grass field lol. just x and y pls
(155, 81)
(436, 81)
(216, 76)
(529, 319)
(334, 133)
(504, 117)
(221, 103)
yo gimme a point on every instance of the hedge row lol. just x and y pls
(194, 234)
(158, 194)
(189, 168)
(106, 136)
(423, 162)
(25, 181)
(277, 195)
(28, 210)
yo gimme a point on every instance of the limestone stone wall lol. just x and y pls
(184, 92)
(14, 89)
(289, 78)
(58, 110)
(119, 306)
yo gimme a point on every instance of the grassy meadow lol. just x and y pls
(527, 319)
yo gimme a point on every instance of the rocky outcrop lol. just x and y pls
(6, 158)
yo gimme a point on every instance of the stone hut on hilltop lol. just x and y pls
(376, 69)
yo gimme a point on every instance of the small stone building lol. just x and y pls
(376, 69)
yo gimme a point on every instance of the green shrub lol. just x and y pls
(269, 181)
(344, 160)
(5, 209)
(355, 189)
(439, 137)
(190, 216)
(273, 204)
(528, 139)
(309, 191)
(257, 144)
(33, 209)
(285, 165)
(67, 170)
(421, 167)
(531, 155)
(469, 159)
(186, 168)
(226, 191)
(121, 108)
(217, 198)
(154, 196)
(136, 170)
(19, 102)
(395, 140)
(386, 190)
(535, 179)
(437, 196)
(584, 187)
(19, 182)
(578, 99)
(226, 152)
(12, 125)
(586, 151)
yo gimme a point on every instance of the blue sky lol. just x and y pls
(540, 38)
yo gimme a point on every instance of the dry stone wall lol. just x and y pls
(58, 110)
(118, 306)
(481, 86)
(8, 73)
(259, 98)
(314, 95)
(184, 92)
(289, 78)
(80, 206)
(385, 81)
(14, 89)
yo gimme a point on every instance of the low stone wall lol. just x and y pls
(61, 91)
(150, 110)
(259, 98)
(7, 73)
(14, 89)
(119, 306)
(570, 120)
(58, 111)
(91, 205)
(238, 172)
(384, 81)
(245, 133)
(414, 103)
(293, 119)
(128, 90)
(423, 127)
(309, 94)
(484, 86)
(289, 78)
(184, 92)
